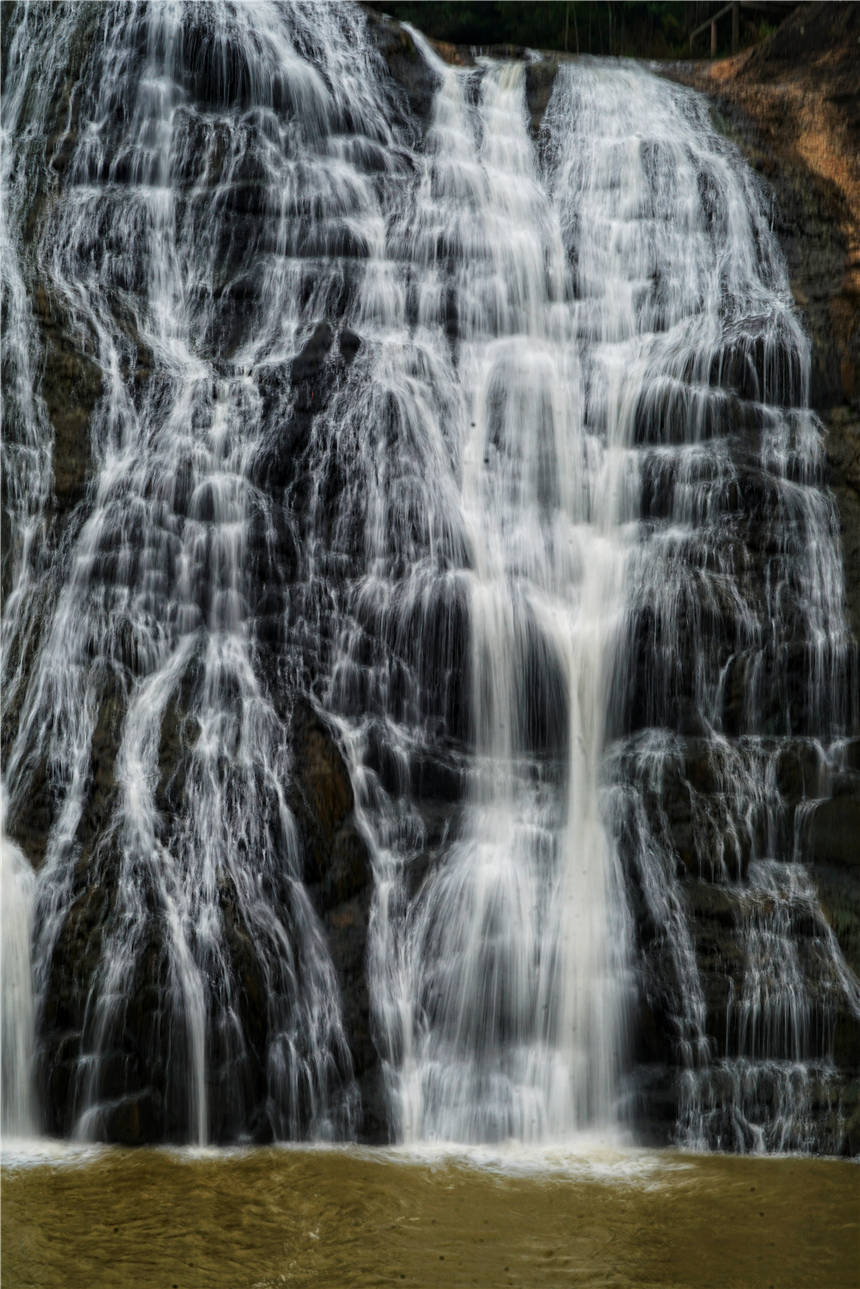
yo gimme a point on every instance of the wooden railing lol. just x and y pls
(734, 8)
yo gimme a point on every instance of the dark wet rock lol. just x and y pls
(713, 913)
(406, 64)
(62, 1018)
(654, 1104)
(834, 832)
(131, 1121)
(799, 770)
(436, 778)
(71, 385)
(350, 343)
(715, 906)
(846, 1040)
(340, 879)
(843, 456)
(376, 1126)
(324, 799)
(29, 822)
(650, 1031)
(850, 1104)
(310, 361)
(677, 807)
(845, 783)
(293, 396)
(540, 79)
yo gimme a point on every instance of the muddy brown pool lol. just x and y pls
(157, 1219)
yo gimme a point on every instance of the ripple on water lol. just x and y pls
(439, 1216)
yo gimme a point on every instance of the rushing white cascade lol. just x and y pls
(493, 450)
(513, 950)
(17, 885)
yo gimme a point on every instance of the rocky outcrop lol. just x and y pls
(792, 105)
(340, 881)
(407, 65)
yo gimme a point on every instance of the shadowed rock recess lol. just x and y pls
(430, 710)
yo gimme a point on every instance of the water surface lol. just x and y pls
(159, 1219)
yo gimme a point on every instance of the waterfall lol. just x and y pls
(149, 637)
(423, 600)
(513, 949)
(16, 1053)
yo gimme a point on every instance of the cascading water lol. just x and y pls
(16, 1052)
(507, 1008)
(150, 638)
(488, 456)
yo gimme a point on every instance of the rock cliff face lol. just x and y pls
(793, 107)
(321, 870)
